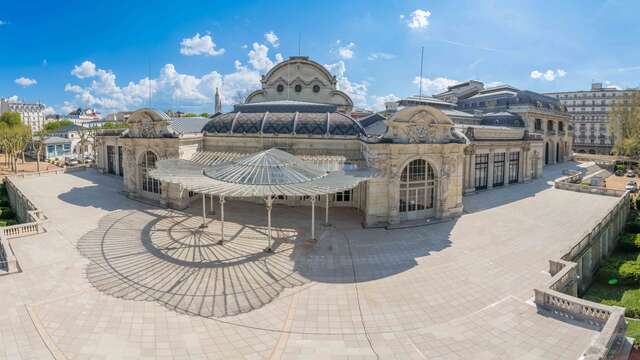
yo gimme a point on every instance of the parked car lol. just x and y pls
(619, 172)
(631, 173)
(71, 161)
(631, 186)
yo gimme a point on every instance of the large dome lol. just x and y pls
(285, 118)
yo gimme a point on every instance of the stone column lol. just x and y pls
(490, 170)
(506, 167)
(469, 181)
(522, 165)
(394, 200)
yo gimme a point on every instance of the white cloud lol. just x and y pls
(84, 70)
(72, 88)
(24, 82)
(611, 85)
(12, 99)
(381, 56)
(346, 51)
(49, 110)
(357, 91)
(199, 45)
(548, 75)
(259, 57)
(68, 107)
(379, 101)
(419, 19)
(272, 38)
(434, 86)
(170, 88)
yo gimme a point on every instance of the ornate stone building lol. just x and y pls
(425, 162)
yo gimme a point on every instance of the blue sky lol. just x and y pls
(112, 55)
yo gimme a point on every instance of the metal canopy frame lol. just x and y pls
(266, 174)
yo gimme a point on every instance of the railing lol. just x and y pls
(8, 261)
(559, 295)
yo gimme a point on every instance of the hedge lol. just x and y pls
(633, 225)
(629, 242)
(624, 267)
(6, 213)
(8, 222)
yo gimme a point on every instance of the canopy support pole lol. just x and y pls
(221, 242)
(204, 211)
(269, 200)
(212, 210)
(313, 217)
(326, 209)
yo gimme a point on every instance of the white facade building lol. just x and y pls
(590, 112)
(32, 114)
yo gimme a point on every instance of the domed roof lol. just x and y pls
(285, 118)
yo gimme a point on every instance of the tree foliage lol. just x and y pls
(55, 125)
(14, 137)
(625, 126)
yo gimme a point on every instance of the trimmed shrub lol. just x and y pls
(611, 268)
(629, 272)
(633, 225)
(7, 213)
(629, 242)
(7, 222)
(4, 203)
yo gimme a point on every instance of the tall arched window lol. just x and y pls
(417, 184)
(149, 184)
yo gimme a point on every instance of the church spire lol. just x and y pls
(218, 105)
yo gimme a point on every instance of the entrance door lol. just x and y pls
(120, 169)
(417, 189)
(110, 160)
(546, 153)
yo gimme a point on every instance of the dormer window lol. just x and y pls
(316, 88)
(280, 88)
(298, 88)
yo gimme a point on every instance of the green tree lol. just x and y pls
(55, 125)
(625, 126)
(11, 118)
(37, 143)
(204, 115)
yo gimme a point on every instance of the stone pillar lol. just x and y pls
(490, 170)
(470, 163)
(506, 167)
(394, 200)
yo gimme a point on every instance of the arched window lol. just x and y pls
(417, 187)
(149, 184)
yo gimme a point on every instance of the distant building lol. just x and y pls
(590, 112)
(505, 105)
(32, 114)
(81, 116)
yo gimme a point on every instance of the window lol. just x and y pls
(316, 88)
(298, 88)
(417, 186)
(482, 173)
(110, 160)
(560, 126)
(498, 169)
(343, 196)
(538, 124)
(514, 167)
(149, 184)
(550, 125)
(120, 167)
(280, 88)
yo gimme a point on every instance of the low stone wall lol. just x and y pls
(559, 296)
(571, 183)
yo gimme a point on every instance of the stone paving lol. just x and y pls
(114, 278)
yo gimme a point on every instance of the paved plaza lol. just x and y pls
(114, 278)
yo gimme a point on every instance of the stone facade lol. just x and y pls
(590, 112)
(425, 162)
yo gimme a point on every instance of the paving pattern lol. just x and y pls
(117, 279)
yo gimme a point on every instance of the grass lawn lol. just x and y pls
(633, 329)
(626, 296)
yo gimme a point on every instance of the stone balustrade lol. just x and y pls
(559, 296)
(569, 183)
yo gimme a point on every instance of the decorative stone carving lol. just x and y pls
(420, 125)
(149, 123)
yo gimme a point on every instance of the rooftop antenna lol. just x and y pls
(421, 62)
